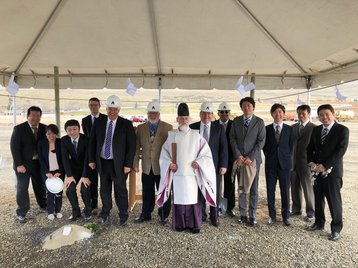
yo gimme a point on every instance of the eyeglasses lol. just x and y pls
(224, 112)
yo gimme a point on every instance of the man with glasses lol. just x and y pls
(229, 184)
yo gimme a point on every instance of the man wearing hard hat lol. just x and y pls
(112, 148)
(150, 138)
(214, 134)
(229, 185)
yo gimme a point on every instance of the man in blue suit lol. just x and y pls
(278, 153)
(214, 134)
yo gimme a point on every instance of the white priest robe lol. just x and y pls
(186, 181)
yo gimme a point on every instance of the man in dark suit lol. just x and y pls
(112, 149)
(325, 152)
(301, 174)
(74, 150)
(278, 161)
(23, 145)
(214, 134)
(229, 185)
(94, 105)
(247, 137)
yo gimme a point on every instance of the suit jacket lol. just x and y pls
(299, 159)
(87, 123)
(227, 134)
(75, 163)
(281, 152)
(123, 144)
(151, 151)
(43, 151)
(250, 144)
(217, 143)
(23, 144)
(329, 154)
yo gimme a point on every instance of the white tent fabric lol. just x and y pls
(191, 44)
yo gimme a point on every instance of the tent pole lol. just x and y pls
(57, 98)
(252, 92)
(160, 89)
(308, 86)
(14, 109)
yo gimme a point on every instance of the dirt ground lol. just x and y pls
(153, 245)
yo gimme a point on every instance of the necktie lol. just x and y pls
(247, 122)
(75, 145)
(206, 133)
(224, 125)
(277, 133)
(35, 129)
(324, 135)
(300, 129)
(108, 142)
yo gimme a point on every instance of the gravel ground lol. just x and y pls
(152, 245)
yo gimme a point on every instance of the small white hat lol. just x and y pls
(113, 102)
(224, 106)
(54, 185)
(153, 106)
(207, 106)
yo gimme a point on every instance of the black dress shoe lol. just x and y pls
(314, 227)
(287, 222)
(179, 229)
(105, 220)
(230, 213)
(195, 231)
(252, 222)
(243, 220)
(297, 213)
(215, 222)
(122, 222)
(74, 217)
(141, 220)
(334, 236)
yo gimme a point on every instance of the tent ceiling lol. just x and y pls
(180, 41)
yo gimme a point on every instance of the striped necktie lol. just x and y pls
(108, 142)
(324, 135)
(247, 122)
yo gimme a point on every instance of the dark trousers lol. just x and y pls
(229, 189)
(149, 182)
(330, 188)
(109, 177)
(214, 211)
(283, 177)
(54, 201)
(22, 188)
(71, 193)
(94, 188)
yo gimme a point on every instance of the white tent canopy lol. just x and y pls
(200, 44)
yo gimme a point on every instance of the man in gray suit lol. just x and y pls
(247, 138)
(301, 175)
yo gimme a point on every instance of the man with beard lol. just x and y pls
(150, 138)
(186, 167)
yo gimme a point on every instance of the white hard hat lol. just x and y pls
(113, 102)
(153, 106)
(207, 106)
(54, 185)
(224, 106)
